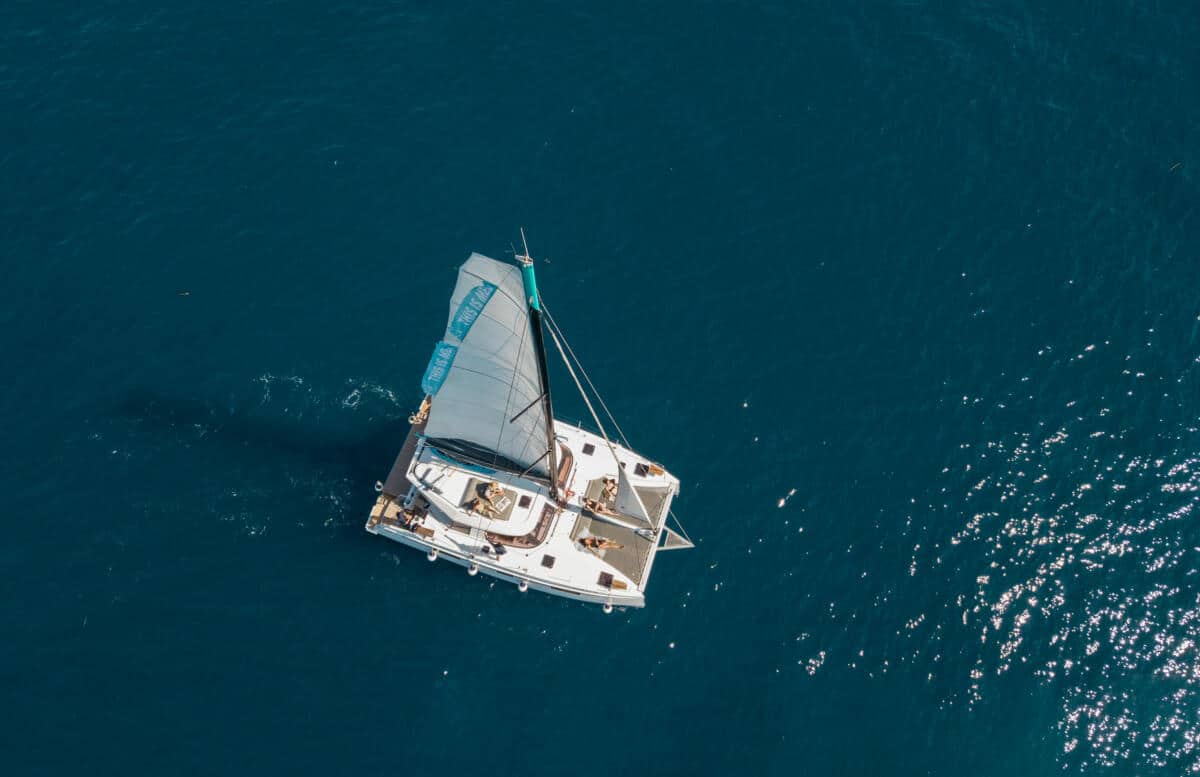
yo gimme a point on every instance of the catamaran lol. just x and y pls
(488, 479)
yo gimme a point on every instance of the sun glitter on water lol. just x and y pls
(1075, 561)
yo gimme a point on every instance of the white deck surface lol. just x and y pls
(576, 571)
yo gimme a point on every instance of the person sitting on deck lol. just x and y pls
(600, 543)
(610, 488)
(490, 493)
(483, 506)
(597, 507)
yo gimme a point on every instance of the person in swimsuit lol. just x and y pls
(491, 492)
(596, 507)
(483, 507)
(600, 543)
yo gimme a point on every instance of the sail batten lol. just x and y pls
(492, 375)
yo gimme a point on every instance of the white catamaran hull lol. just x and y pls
(443, 554)
(543, 541)
(488, 479)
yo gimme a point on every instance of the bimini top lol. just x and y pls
(483, 376)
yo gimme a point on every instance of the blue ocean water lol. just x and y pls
(905, 293)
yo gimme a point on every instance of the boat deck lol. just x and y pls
(630, 559)
(539, 540)
(397, 484)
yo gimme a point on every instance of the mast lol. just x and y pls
(535, 316)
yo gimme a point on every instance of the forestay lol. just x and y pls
(483, 376)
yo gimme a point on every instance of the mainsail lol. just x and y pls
(483, 375)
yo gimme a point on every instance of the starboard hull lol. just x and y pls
(617, 599)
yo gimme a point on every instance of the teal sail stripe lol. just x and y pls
(469, 310)
(439, 367)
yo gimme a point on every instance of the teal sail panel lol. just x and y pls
(469, 310)
(439, 367)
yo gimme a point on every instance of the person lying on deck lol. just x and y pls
(597, 507)
(483, 506)
(490, 493)
(600, 543)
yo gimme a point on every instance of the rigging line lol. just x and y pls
(534, 464)
(582, 393)
(536, 399)
(555, 332)
(607, 412)
(512, 385)
(616, 459)
(679, 524)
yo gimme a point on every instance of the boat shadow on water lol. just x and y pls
(354, 457)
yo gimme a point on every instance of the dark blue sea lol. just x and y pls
(905, 293)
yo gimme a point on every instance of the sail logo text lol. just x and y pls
(439, 367)
(469, 310)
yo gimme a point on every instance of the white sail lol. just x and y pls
(628, 502)
(673, 540)
(484, 375)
